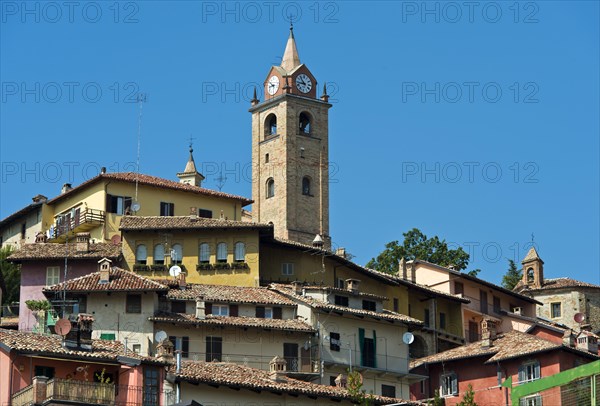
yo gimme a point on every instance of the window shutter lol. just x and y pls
(374, 349)
(185, 347)
(361, 343)
(260, 312)
(454, 384)
(109, 207)
(233, 310)
(522, 374)
(207, 308)
(277, 313)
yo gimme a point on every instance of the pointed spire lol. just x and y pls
(190, 174)
(290, 56)
(325, 96)
(190, 167)
(254, 100)
(532, 255)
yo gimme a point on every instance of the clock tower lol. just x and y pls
(290, 152)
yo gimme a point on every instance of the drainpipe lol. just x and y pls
(178, 370)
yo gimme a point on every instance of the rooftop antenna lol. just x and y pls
(221, 179)
(141, 99)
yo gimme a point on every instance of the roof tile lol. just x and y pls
(132, 223)
(37, 251)
(120, 280)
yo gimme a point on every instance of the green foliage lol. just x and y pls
(354, 387)
(10, 277)
(101, 378)
(38, 305)
(512, 276)
(474, 272)
(437, 399)
(469, 398)
(416, 245)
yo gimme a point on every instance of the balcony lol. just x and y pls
(75, 222)
(380, 362)
(66, 390)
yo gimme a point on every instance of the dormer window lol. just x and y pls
(304, 123)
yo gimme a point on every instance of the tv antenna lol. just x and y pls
(221, 179)
(141, 99)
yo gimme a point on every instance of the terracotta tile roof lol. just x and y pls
(513, 344)
(240, 376)
(230, 294)
(346, 291)
(21, 212)
(531, 255)
(9, 322)
(192, 320)
(37, 251)
(120, 280)
(131, 223)
(328, 307)
(52, 345)
(130, 177)
(559, 283)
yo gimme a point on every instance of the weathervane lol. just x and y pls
(221, 179)
(191, 141)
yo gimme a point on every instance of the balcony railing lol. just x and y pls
(299, 364)
(380, 361)
(77, 222)
(69, 390)
(24, 397)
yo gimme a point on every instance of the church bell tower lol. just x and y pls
(290, 152)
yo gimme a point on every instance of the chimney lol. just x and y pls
(200, 310)
(277, 368)
(65, 188)
(40, 389)
(181, 281)
(318, 242)
(341, 252)
(104, 269)
(103, 170)
(297, 286)
(517, 310)
(402, 270)
(488, 332)
(164, 351)
(39, 199)
(569, 338)
(85, 322)
(193, 213)
(341, 381)
(352, 285)
(82, 242)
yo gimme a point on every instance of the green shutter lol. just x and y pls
(374, 349)
(361, 344)
(108, 336)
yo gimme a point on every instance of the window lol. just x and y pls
(222, 252)
(81, 305)
(204, 254)
(239, 252)
(167, 209)
(334, 341)
(270, 188)
(396, 305)
(271, 127)
(133, 304)
(220, 310)
(423, 385)
(287, 269)
(388, 390)
(181, 344)
(176, 254)
(44, 371)
(290, 354)
(530, 275)
(409, 310)
(52, 275)
(496, 304)
(306, 186)
(260, 312)
(304, 123)
(555, 310)
(23, 230)
(369, 305)
(332, 380)
(268, 311)
(151, 395)
(214, 349)
(137, 348)
(426, 319)
(108, 336)
(368, 353)
(178, 306)
(449, 384)
(266, 158)
(278, 313)
(207, 214)
(483, 302)
(118, 204)
(529, 371)
(443, 321)
(341, 300)
(459, 288)
(535, 400)
(159, 254)
(141, 254)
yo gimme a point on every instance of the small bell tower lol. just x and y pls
(190, 175)
(533, 269)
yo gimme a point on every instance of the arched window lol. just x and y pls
(306, 186)
(270, 188)
(141, 254)
(222, 252)
(204, 254)
(266, 158)
(159, 254)
(530, 275)
(239, 252)
(304, 123)
(271, 125)
(176, 254)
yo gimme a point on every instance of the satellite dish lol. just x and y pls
(160, 336)
(62, 327)
(579, 317)
(408, 338)
(135, 206)
(116, 239)
(175, 270)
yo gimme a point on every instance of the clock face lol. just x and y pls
(273, 85)
(303, 83)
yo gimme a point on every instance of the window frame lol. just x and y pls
(552, 313)
(370, 305)
(530, 371)
(167, 209)
(449, 384)
(133, 308)
(388, 390)
(270, 188)
(138, 260)
(214, 348)
(442, 321)
(55, 278)
(306, 186)
(340, 300)
(156, 256)
(287, 268)
(201, 251)
(335, 343)
(177, 260)
(220, 309)
(239, 252)
(222, 252)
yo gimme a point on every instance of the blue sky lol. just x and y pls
(479, 125)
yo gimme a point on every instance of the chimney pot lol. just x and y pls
(341, 381)
(200, 310)
(103, 170)
(65, 188)
(352, 285)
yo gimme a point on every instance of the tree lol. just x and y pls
(469, 398)
(354, 386)
(416, 245)
(10, 277)
(512, 276)
(437, 399)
